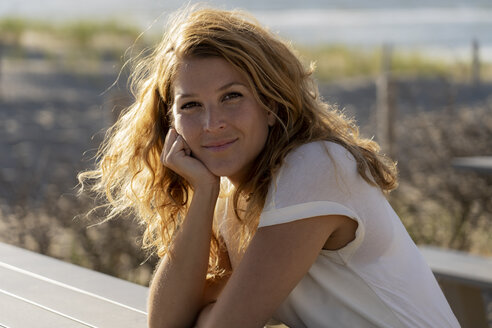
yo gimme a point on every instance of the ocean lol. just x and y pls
(444, 28)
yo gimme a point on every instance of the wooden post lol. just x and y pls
(1, 71)
(475, 70)
(385, 102)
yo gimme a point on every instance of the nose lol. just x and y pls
(215, 119)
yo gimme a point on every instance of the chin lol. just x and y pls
(223, 171)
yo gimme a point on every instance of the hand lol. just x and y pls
(176, 155)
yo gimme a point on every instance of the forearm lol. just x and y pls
(203, 315)
(177, 288)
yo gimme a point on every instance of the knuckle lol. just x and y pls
(168, 159)
(165, 158)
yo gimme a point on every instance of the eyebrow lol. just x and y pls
(222, 88)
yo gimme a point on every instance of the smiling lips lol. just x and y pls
(219, 145)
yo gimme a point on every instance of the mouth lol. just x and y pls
(220, 145)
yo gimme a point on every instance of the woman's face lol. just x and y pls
(216, 113)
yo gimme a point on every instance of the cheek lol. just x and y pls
(178, 126)
(187, 128)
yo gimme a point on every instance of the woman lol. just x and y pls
(261, 200)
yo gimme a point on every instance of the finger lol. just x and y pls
(186, 148)
(168, 142)
(177, 148)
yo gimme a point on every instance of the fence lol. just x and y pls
(386, 92)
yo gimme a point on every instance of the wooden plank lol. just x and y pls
(459, 266)
(90, 297)
(16, 312)
(85, 307)
(111, 288)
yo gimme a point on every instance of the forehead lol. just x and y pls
(195, 74)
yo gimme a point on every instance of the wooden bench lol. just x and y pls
(482, 164)
(466, 280)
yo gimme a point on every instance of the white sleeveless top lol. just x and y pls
(379, 279)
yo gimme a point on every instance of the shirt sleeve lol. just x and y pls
(316, 179)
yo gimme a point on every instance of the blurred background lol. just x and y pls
(417, 76)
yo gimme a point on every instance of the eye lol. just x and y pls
(232, 95)
(190, 105)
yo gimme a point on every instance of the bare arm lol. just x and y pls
(276, 260)
(179, 290)
(179, 282)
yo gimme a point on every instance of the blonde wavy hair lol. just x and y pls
(128, 170)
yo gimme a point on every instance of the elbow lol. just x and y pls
(168, 313)
(158, 319)
(203, 316)
(161, 323)
(155, 321)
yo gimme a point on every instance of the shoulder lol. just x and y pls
(320, 157)
(317, 171)
(320, 150)
(320, 170)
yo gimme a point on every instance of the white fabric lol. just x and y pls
(378, 280)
